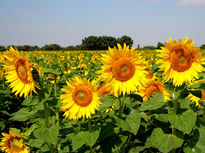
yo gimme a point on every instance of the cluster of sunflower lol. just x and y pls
(123, 72)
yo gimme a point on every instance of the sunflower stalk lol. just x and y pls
(89, 125)
(55, 86)
(175, 101)
(46, 113)
(121, 108)
(175, 111)
(90, 130)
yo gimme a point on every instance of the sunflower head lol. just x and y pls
(122, 70)
(13, 143)
(18, 72)
(1, 74)
(199, 92)
(151, 87)
(102, 90)
(80, 99)
(181, 61)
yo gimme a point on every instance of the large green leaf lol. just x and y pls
(136, 149)
(107, 102)
(131, 123)
(84, 137)
(197, 143)
(154, 102)
(37, 143)
(30, 101)
(91, 137)
(23, 115)
(49, 135)
(163, 142)
(77, 140)
(5, 92)
(183, 122)
(106, 131)
(30, 130)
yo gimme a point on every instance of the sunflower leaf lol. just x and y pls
(91, 137)
(164, 142)
(5, 92)
(200, 85)
(30, 130)
(23, 115)
(107, 102)
(183, 122)
(154, 102)
(202, 103)
(131, 123)
(197, 143)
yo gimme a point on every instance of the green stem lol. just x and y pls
(46, 114)
(89, 125)
(121, 108)
(90, 130)
(51, 147)
(55, 87)
(175, 111)
(173, 128)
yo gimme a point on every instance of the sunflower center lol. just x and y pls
(22, 71)
(180, 60)
(82, 96)
(16, 144)
(123, 69)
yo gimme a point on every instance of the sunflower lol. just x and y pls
(102, 90)
(181, 61)
(13, 143)
(1, 74)
(195, 98)
(201, 91)
(80, 99)
(122, 70)
(151, 87)
(18, 72)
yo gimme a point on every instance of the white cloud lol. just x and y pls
(191, 2)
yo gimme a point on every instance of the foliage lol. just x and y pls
(2, 48)
(122, 124)
(127, 40)
(102, 42)
(51, 47)
(202, 46)
(159, 45)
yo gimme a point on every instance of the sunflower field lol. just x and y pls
(118, 100)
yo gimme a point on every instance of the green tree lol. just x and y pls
(51, 47)
(2, 48)
(126, 39)
(159, 45)
(89, 43)
(202, 46)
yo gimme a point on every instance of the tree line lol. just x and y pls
(90, 43)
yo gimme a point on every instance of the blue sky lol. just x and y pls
(67, 22)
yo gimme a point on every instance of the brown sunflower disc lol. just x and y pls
(82, 96)
(123, 69)
(180, 60)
